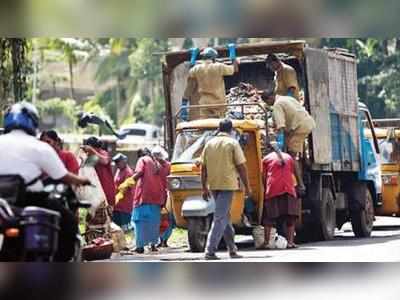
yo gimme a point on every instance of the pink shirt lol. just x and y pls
(126, 204)
(104, 172)
(151, 186)
(279, 178)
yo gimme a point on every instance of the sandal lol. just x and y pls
(292, 246)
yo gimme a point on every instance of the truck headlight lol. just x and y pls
(175, 184)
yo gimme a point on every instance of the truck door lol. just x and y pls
(370, 152)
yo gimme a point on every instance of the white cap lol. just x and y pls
(160, 152)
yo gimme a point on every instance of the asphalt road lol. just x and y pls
(382, 246)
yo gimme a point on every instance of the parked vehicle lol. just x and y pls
(388, 134)
(143, 131)
(30, 233)
(337, 163)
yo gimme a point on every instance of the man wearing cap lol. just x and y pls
(124, 199)
(209, 77)
(293, 125)
(286, 77)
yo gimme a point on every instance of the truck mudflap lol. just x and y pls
(196, 206)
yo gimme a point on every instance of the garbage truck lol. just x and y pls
(343, 183)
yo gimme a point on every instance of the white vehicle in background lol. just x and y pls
(140, 134)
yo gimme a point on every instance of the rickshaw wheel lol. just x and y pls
(198, 229)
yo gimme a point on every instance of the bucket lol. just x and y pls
(41, 227)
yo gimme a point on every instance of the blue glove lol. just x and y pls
(280, 139)
(184, 115)
(232, 51)
(194, 54)
(290, 93)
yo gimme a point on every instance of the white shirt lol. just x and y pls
(24, 155)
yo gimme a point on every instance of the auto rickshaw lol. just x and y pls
(388, 134)
(190, 210)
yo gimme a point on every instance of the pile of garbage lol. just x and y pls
(244, 93)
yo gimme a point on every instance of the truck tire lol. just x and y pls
(362, 220)
(198, 229)
(322, 224)
(327, 216)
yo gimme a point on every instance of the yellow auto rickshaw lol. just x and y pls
(388, 135)
(189, 209)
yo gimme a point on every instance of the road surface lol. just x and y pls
(382, 246)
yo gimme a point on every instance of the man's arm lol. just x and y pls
(242, 169)
(104, 159)
(139, 171)
(236, 65)
(204, 177)
(291, 82)
(73, 179)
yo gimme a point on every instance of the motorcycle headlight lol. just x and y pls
(175, 184)
(50, 188)
(61, 188)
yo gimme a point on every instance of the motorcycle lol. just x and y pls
(30, 233)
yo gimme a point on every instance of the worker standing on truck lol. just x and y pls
(209, 77)
(293, 125)
(286, 77)
(223, 161)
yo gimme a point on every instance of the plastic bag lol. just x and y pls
(93, 194)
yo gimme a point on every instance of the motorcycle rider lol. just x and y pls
(26, 156)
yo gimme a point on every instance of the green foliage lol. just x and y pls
(57, 107)
(125, 64)
(145, 60)
(378, 72)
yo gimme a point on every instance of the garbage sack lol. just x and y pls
(92, 194)
(99, 225)
(280, 242)
(118, 238)
(259, 238)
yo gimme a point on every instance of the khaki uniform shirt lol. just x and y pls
(210, 81)
(221, 156)
(287, 78)
(191, 93)
(291, 115)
